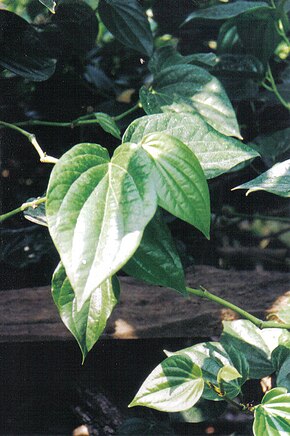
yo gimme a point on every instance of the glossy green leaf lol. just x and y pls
(255, 344)
(97, 210)
(50, 4)
(239, 361)
(108, 124)
(176, 384)
(156, 260)
(203, 410)
(211, 357)
(168, 56)
(276, 180)
(216, 153)
(272, 416)
(22, 51)
(191, 89)
(179, 180)
(88, 324)
(226, 11)
(127, 21)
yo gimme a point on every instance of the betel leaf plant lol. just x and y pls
(105, 210)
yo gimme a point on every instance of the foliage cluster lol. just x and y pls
(104, 210)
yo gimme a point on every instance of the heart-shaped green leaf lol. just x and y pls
(191, 89)
(88, 324)
(127, 21)
(216, 153)
(156, 260)
(276, 180)
(272, 416)
(255, 344)
(211, 357)
(97, 210)
(179, 180)
(174, 385)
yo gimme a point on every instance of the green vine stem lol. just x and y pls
(32, 139)
(203, 293)
(23, 207)
(272, 87)
(80, 121)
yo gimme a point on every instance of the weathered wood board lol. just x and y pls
(148, 311)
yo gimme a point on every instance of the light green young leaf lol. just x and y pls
(179, 180)
(156, 260)
(97, 210)
(227, 373)
(168, 56)
(226, 11)
(50, 4)
(174, 385)
(272, 416)
(127, 21)
(191, 89)
(255, 344)
(88, 324)
(211, 357)
(108, 124)
(276, 180)
(216, 153)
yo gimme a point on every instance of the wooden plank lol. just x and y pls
(147, 311)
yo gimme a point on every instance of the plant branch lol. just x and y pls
(80, 121)
(32, 139)
(20, 209)
(203, 293)
(273, 88)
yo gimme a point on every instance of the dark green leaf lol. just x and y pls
(88, 324)
(226, 11)
(97, 210)
(255, 344)
(50, 4)
(211, 357)
(273, 146)
(191, 89)
(176, 384)
(235, 65)
(127, 21)
(216, 153)
(108, 124)
(167, 56)
(179, 180)
(203, 410)
(22, 51)
(77, 27)
(156, 260)
(281, 360)
(276, 180)
(272, 416)
(258, 33)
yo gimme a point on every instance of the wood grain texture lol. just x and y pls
(145, 311)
